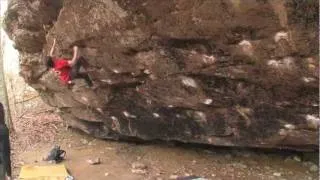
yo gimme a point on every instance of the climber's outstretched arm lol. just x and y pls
(52, 48)
(75, 56)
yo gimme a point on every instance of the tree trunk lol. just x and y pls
(3, 88)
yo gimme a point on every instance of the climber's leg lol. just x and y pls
(75, 74)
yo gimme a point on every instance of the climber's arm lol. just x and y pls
(75, 56)
(52, 48)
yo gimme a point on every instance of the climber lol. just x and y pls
(5, 162)
(67, 70)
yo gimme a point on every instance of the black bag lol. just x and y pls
(56, 154)
(5, 161)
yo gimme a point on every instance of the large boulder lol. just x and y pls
(228, 72)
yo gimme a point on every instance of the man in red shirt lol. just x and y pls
(67, 70)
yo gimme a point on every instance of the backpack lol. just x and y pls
(56, 154)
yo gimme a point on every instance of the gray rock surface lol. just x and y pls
(229, 73)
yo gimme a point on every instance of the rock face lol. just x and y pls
(227, 72)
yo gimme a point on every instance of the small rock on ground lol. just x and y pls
(314, 168)
(138, 165)
(277, 174)
(173, 176)
(297, 158)
(239, 165)
(139, 168)
(139, 171)
(94, 162)
(84, 141)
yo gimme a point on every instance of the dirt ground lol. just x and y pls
(37, 133)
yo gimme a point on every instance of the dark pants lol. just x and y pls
(75, 74)
(5, 162)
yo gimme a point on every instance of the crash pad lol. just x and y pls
(48, 172)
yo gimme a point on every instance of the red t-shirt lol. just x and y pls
(63, 67)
